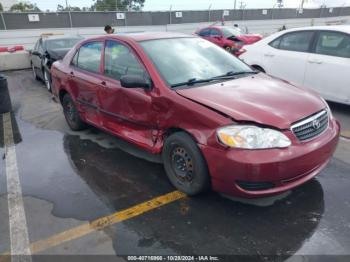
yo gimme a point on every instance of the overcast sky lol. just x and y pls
(196, 4)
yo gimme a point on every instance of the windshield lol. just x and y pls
(228, 32)
(61, 43)
(181, 59)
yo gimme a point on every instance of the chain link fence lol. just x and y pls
(12, 21)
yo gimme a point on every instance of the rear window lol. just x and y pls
(61, 43)
(275, 43)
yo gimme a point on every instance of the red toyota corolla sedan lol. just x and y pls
(215, 121)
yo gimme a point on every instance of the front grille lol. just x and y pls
(312, 126)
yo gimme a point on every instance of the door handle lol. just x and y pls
(269, 55)
(71, 74)
(104, 84)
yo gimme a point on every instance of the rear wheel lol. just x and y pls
(185, 165)
(228, 49)
(71, 114)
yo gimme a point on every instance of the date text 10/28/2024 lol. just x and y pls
(172, 258)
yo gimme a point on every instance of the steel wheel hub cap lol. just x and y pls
(70, 111)
(182, 164)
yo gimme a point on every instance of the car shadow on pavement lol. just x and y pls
(206, 224)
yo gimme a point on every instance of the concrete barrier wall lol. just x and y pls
(99, 19)
(14, 61)
(28, 37)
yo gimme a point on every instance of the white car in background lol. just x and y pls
(314, 57)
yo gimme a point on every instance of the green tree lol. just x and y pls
(60, 8)
(120, 5)
(24, 7)
(1, 8)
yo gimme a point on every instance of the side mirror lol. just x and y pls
(134, 81)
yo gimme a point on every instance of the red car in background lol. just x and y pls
(229, 38)
(216, 123)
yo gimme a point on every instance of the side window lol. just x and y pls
(89, 57)
(297, 41)
(275, 43)
(333, 44)
(120, 61)
(214, 33)
(205, 32)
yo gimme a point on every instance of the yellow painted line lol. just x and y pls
(104, 222)
(345, 133)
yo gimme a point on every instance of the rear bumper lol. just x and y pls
(271, 171)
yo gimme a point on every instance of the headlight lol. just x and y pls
(252, 137)
(328, 108)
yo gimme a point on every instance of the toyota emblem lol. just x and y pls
(316, 124)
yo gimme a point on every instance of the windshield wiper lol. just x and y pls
(236, 73)
(228, 75)
(192, 81)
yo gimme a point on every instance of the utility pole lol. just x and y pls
(3, 20)
(209, 15)
(70, 15)
(242, 5)
(235, 5)
(170, 13)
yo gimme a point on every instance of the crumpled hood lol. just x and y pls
(259, 98)
(249, 38)
(57, 54)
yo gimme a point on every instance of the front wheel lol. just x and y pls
(47, 80)
(185, 165)
(71, 114)
(34, 72)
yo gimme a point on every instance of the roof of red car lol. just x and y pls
(144, 36)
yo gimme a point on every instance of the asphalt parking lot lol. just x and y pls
(88, 193)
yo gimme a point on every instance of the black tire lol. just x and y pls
(71, 114)
(47, 80)
(34, 73)
(185, 165)
(228, 49)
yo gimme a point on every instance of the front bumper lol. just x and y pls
(284, 169)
